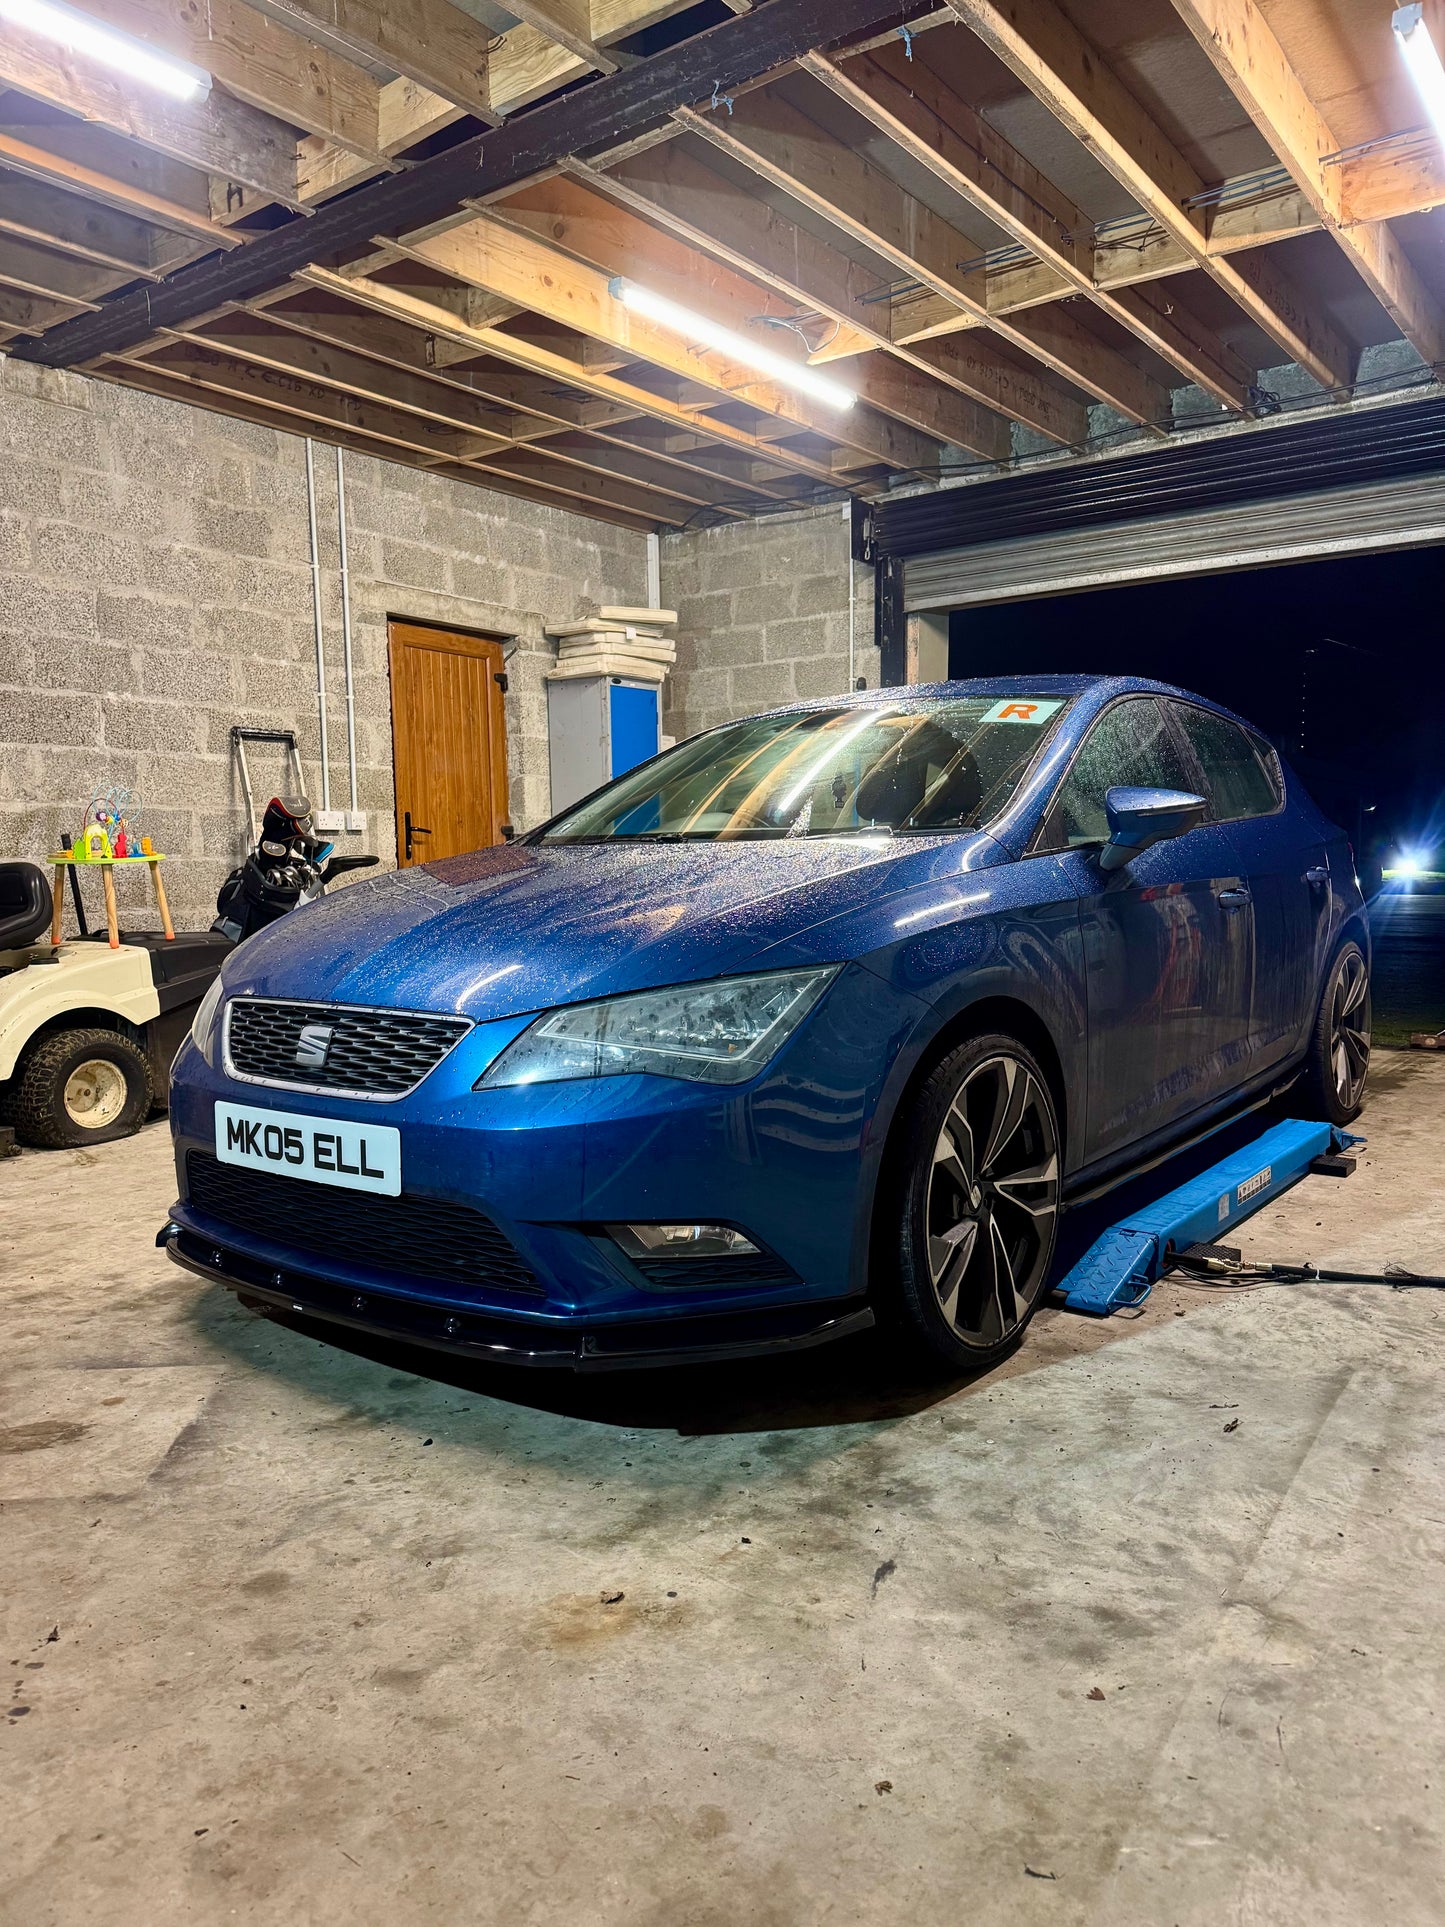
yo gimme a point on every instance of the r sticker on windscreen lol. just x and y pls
(1021, 709)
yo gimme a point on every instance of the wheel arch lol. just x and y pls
(81, 1017)
(988, 1013)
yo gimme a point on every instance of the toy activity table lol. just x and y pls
(106, 864)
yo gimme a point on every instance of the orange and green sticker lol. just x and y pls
(1022, 709)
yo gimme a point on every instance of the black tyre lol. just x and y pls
(1339, 1052)
(79, 1087)
(979, 1203)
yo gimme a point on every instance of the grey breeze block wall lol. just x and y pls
(155, 587)
(763, 616)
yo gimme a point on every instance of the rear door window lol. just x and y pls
(1236, 780)
(1130, 745)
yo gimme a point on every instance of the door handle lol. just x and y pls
(412, 829)
(1318, 874)
(1233, 899)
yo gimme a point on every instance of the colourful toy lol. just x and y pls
(109, 837)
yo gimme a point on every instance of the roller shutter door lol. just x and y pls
(1402, 513)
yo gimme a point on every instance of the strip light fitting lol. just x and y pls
(67, 27)
(1422, 57)
(696, 327)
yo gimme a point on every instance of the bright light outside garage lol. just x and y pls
(722, 961)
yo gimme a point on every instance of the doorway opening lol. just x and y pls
(1339, 662)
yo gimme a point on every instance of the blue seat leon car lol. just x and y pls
(818, 1018)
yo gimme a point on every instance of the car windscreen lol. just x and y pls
(918, 765)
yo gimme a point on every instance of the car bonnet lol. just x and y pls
(526, 927)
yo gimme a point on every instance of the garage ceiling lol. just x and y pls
(972, 216)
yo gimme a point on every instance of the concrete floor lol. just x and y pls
(1145, 1628)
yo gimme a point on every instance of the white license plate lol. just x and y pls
(360, 1157)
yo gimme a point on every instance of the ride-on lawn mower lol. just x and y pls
(87, 1030)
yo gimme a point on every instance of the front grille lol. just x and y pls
(336, 1047)
(410, 1236)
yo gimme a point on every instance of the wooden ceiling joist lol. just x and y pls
(1048, 54)
(552, 284)
(591, 433)
(496, 342)
(137, 373)
(115, 173)
(568, 214)
(261, 62)
(673, 189)
(219, 134)
(35, 211)
(928, 122)
(43, 271)
(427, 41)
(1246, 53)
(785, 147)
(450, 300)
(255, 338)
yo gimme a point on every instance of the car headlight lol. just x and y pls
(722, 1032)
(204, 1020)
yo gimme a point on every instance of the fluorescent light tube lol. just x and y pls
(696, 327)
(77, 31)
(1422, 57)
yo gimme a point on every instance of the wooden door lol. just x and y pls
(449, 742)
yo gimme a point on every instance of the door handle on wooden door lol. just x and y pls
(412, 829)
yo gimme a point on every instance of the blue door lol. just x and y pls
(1286, 871)
(1168, 940)
(634, 718)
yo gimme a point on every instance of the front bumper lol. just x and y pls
(790, 1159)
(679, 1339)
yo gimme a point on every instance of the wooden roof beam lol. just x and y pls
(135, 373)
(543, 279)
(116, 173)
(33, 210)
(691, 200)
(942, 133)
(255, 338)
(436, 321)
(1046, 51)
(571, 215)
(310, 400)
(40, 270)
(673, 189)
(220, 135)
(768, 135)
(30, 314)
(543, 410)
(1257, 71)
(428, 41)
(261, 62)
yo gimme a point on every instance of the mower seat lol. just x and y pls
(25, 904)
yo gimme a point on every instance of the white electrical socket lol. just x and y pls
(330, 822)
(356, 822)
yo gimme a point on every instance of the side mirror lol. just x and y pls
(1139, 818)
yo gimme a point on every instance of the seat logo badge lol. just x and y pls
(312, 1046)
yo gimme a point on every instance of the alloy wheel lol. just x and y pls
(95, 1094)
(993, 1197)
(1350, 1028)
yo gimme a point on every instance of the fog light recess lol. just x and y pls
(698, 1257)
(682, 1241)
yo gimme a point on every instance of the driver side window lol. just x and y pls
(1131, 744)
